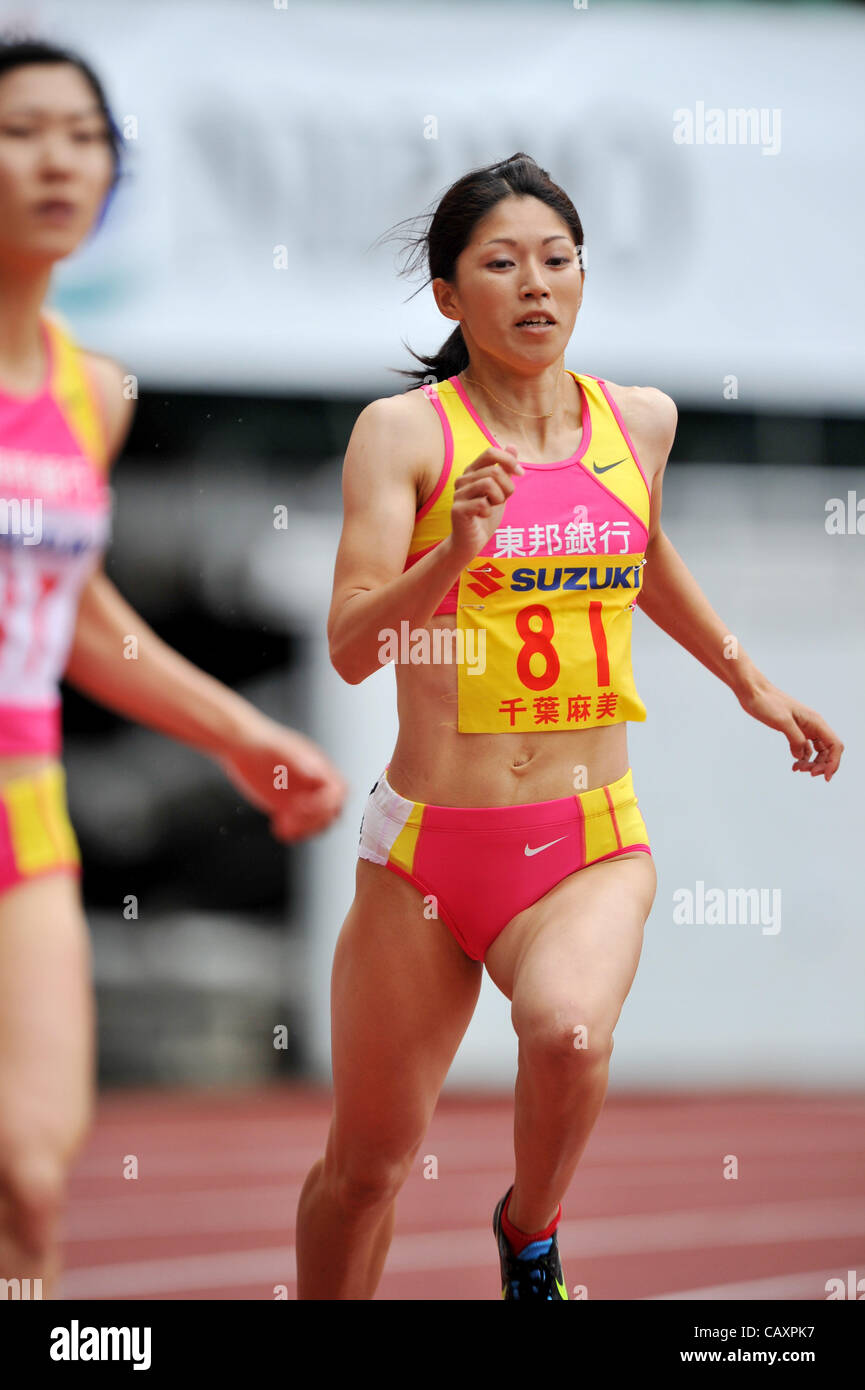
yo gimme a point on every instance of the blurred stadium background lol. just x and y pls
(238, 278)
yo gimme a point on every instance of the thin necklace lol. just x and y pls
(510, 407)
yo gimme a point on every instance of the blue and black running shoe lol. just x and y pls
(536, 1272)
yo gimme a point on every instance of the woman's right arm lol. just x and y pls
(379, 490)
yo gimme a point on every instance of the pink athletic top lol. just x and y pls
(568, 554)
(558, 508)
(55, 521)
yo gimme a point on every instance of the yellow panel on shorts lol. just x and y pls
(403, 848)
(41, 834)
(600, 834)
(53, 800)
(632, 827)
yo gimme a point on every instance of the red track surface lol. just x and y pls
(648, 1215)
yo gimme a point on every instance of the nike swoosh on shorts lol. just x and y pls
(540, 847)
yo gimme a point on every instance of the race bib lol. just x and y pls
(546, 643)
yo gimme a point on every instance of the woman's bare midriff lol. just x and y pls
(434, 763)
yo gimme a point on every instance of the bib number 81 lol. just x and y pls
(539, 641)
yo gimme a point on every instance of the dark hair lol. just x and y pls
(448, 232)
(18, 52)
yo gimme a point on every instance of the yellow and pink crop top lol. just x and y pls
(55, 521)
(543, 613)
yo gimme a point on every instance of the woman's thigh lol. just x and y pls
(47, 1029)
(576, 950)
(403, 993)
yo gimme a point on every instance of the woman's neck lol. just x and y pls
(534, 409)
(23, 292)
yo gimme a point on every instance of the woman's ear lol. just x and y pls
(446, 299)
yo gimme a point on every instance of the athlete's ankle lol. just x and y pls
(517, 1238)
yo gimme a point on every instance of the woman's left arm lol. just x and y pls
(671, 597)
(118, 660)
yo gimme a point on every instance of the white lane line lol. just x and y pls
(635, 1152)
(239, 1268)
(207, 1159)
(271, 1208)
(811, 1284)
(248, 1209)
(760, 1224)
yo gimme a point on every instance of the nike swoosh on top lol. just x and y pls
(605, 468)
(540, 847)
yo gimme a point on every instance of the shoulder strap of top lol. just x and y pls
(75, 391)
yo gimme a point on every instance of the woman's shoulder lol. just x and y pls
(650, 417)
(113, 386)
(404, 432)
(648, 409)
(404, 410)
(405, 424)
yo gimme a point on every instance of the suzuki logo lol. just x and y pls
(486, 584)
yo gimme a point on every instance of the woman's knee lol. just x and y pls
(368, 1178)
(33, 1183)
(566, 1037)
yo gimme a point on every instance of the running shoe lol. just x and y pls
(536, 1272)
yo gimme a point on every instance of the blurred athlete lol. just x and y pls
(63, 420)
(500, 526)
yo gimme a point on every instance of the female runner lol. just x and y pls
(516, 504)
(63, 419)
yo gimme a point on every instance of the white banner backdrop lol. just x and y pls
(714, 156)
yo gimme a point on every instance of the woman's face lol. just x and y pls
(56, 163)
(521, 260)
